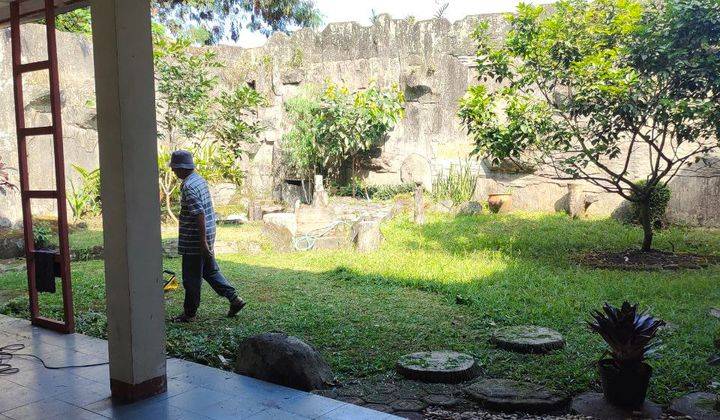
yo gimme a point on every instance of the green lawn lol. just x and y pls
(363, 311)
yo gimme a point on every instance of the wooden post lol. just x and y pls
(419, 204)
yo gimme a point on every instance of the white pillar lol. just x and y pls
(131, 211)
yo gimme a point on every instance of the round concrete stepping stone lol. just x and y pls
(593, 404)
(509, 395)
(409, 405)
(438, 366)
(698, 406)
(528, 339)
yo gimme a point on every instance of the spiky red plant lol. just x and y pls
(629, 333)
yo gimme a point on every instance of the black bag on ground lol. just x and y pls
(45, 272)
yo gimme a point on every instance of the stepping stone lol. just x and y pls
(438, 366)
(593, 404)
(509, 395)
(698, 406)
(409, 405)
(528, 339)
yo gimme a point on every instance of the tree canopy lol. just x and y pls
(587, 87)
(209, 21)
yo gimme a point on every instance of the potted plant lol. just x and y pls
(624, 375)
(500, 202)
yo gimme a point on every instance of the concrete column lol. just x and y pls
(131, 211)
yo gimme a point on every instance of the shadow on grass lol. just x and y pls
(364, 311)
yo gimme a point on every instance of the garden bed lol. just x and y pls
(637, 260)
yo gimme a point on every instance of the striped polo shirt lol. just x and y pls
(195, 199)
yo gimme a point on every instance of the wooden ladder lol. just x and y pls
(62, 259)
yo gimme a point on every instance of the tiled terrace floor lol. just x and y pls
(194, 391)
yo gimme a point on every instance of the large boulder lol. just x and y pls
(284, 360)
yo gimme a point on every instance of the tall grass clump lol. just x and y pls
(457, 184)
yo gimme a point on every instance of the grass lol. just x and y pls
(445, 285)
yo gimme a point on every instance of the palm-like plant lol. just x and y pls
(628, 332)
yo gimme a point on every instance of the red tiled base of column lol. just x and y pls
(128, 393)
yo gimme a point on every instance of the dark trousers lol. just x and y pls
(195, 268)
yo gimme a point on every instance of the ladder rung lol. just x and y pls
(36, 131)
(36, 66)
(41, 194)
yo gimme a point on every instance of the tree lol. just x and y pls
(221, 17)
(587, 87)
(208, 21)
(336, 127)
(191, 114)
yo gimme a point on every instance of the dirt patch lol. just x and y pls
(636, 260)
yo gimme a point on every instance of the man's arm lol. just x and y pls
(204, 246)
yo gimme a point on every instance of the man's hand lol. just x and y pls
(206, 251)
(204, 246)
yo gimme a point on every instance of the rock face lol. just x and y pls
(593, 404)
(471, 208)
(697, 406)
(283, 360)
(528, 339)
(12, 247)
(438, 367)
(508, 395)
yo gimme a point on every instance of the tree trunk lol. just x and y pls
(647, 225)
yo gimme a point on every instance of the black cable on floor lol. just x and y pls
(8, 352)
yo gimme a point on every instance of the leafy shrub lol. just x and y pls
(657, 206)
(85, 200)
(336, 126)
(457, 185)
(42, 234)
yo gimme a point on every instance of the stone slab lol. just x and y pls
(528, 339)
(698, 406)
(593, 404)
(509, 395)
(438, 366)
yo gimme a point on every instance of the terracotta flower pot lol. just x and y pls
(500, 203)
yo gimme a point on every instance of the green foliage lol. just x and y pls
(219, 18)
(236, 121)
(42, 234)
(457, 185)
(185, 82)
(77, 21)
(337, 126)
(373, 192)
(216, 128)
(594, 81)
(508, 270)
(85, 200)
(657, 202)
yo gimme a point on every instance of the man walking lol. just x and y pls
(196, 240)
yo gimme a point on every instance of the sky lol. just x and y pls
(361, 11)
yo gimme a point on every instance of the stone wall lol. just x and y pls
(430, 60)
(75, 61)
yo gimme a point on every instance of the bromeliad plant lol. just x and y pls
(630, 334)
